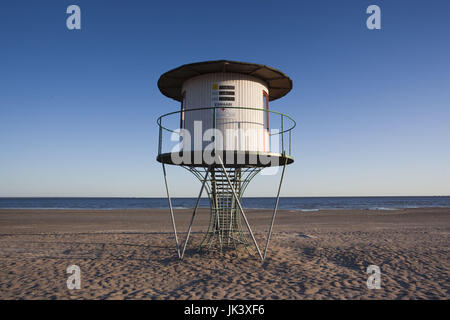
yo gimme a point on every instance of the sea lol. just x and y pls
(286, 203)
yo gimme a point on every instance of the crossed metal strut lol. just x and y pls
(180, 251)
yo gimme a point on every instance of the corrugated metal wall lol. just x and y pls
(242, 130)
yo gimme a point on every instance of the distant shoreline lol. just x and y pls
(204, 207)
(302, 197)
(301, 204)
(267, 211)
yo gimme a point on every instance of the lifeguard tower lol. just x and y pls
(225, 134)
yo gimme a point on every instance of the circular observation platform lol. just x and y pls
(276, 156)
(231, 159)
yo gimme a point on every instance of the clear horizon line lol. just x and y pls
(164, 197)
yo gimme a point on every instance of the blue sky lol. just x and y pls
(78, 108)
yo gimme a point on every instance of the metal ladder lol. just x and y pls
(225, 229)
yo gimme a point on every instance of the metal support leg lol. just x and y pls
(240, 207)
(171, 211)
(274, 210)
(193, 214)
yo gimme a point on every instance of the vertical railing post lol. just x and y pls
(282, 134)
(160, 138)
(290, 142)
(215, 135)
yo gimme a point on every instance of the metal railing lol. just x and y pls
(282, 131)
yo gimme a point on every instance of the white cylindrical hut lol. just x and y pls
(233, 98)
(241, 129)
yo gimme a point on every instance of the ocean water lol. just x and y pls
(288, 203)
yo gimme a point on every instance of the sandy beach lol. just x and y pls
(130, 254)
